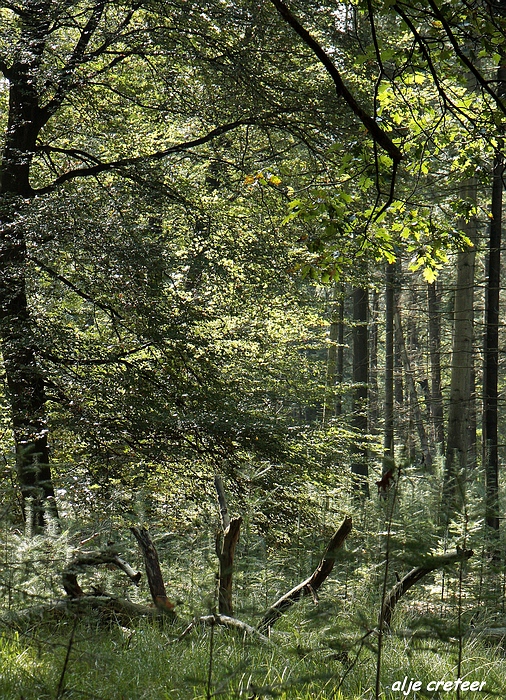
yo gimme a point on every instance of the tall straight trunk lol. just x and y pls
(359, 466)
(340, 354)
(491, 341)
(388, 435)
(329, 404)
(373, 393)
(413, 394)
(461, 400)
(436, 395)
(25, 383)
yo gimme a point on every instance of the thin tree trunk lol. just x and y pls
(373, 366)
(388, 439)
(433, 302)
(491, 344)
(359, 466)
(25, 383)
(457, 447)
(340, 354)
(329, 404)
(415, 405)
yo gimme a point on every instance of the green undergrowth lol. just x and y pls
(147, 662)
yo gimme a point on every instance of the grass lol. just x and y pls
(146, 664)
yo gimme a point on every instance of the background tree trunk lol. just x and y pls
(359, 466)
(491, 340)
(433, 302)
(457, 448)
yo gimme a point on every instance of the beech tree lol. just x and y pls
(97, 94)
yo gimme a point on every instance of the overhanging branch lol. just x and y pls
(378, 135)
(99, 168)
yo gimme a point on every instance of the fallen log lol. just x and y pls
(409, 580)
(311, 585)
(108, 608)
(225, 621)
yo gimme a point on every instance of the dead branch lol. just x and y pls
(69, 576)
(226, 559)
(153, 571)
(222, 500)
(311, 585)
(400, 588)
(109, 608)
(226, 621)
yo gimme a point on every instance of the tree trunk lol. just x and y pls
(359, 466)
(329, 406)
(388, 439)
(491, 341)
(457, 448)
(415, 404)
(436, 408)
(24, 379)
(373, 366)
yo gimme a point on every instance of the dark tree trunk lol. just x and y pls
(359, 467)
(18, 344)
(388, 439)
(373, 366)
(491, 344)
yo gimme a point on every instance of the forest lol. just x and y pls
(252, 349)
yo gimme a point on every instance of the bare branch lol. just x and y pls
(140, 160)
(414, 576)
(311, 585)
(465, 60)
(378, 135)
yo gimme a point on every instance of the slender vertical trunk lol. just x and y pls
(329, 404)
(436, 395)
(388, 439)
(373, 408)
(491, 344)
(359, 466)
(340, 354)
(415, 403)
(457, 447)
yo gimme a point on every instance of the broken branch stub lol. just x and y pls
(226, 559)
(311, 585)
(153, 571)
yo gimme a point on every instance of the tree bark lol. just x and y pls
(388, 436)
(225, 550)
(359, 466)
(460, 404)
(330, 403)
(436, 396)
(417, 414)
(491, 340)
(25, 382)
(153, 571)
(311, 585)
